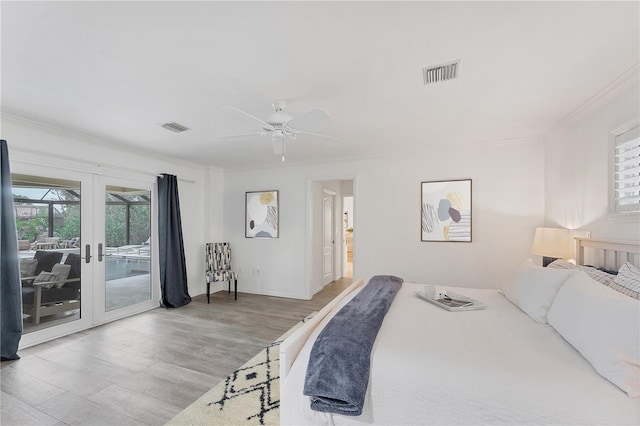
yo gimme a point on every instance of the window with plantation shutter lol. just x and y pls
(625, 197)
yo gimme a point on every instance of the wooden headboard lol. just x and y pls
(610, 254)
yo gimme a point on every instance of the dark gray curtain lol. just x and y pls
(10, 288)
(173, 268)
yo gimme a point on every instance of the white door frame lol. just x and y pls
(311, 241)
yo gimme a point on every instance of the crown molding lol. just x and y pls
(609, 92)
(95, 140)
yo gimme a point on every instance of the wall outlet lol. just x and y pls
(588, 234)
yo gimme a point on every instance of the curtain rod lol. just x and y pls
(161, 176)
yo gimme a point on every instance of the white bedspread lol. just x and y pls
(492, 366)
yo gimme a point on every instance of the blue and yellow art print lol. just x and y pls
(446, 211)
(261, 214)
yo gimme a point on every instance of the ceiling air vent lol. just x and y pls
(442, 72)
(175, 127)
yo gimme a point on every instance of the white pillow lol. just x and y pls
(604, 326)
(533, 288)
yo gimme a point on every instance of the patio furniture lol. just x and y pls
(43, 298)
(72, 243)
(46, 260)
(218, 264)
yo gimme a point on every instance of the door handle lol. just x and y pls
(87, 253)
(101, 254)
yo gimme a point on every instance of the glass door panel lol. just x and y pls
(48, 207)
(123, 224)
(128, 246)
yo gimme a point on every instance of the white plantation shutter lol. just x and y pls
(627, 171)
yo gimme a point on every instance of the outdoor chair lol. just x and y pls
(72, 243)
(46, 260)
(218, 263)
(53, 292)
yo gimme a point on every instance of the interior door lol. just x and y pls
(328, 240)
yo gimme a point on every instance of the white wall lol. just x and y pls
(200, 188)
(508, 203)
(577, 171)
(346, 186)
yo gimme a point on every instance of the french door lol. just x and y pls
(104, 228)
(122, 230)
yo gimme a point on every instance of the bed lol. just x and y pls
(510, 363)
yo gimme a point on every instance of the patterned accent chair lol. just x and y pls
(218, 259)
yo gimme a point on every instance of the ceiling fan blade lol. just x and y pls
(309, 118)
(239, 135)
(300, 132)
(264, 123)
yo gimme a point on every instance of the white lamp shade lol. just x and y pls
(552, 242)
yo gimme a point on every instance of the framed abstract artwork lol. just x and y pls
(261, 214)
(446, 211)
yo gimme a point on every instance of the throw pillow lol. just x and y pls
(45, 277)
(596, 274)
(627, 281)
(61, 272)
(28, 267)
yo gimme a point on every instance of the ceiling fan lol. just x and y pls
(281, 125)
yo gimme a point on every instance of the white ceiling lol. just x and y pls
(117, 70)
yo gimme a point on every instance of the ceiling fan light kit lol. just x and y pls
(280, 125)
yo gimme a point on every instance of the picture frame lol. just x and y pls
(446, 213)
(262, 211)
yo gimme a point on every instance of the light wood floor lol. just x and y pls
(144, 369)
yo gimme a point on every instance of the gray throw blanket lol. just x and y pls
(338, 370)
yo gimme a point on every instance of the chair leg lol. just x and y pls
(229, 287)
(236, 291)
(37, 305)
(208, 292)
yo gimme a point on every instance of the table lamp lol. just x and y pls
(552, 244)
